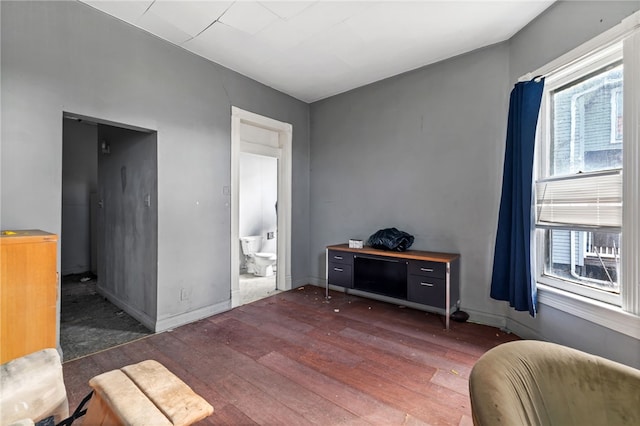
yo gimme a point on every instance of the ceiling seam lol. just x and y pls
(216, 20)
(147, 9)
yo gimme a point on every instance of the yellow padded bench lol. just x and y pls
(143, 394)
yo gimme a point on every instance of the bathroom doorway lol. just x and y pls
(258, 225)
(260, 206)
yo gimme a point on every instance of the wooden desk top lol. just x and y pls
(26, 236)
(409, 254)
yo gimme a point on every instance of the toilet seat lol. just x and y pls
(263, 255)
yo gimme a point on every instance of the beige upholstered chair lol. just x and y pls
(32, 389)
(538, 383)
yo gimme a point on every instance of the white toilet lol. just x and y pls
(257, 263)
(250, 245)
(265, 264)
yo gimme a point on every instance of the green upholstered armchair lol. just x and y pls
(538, 383)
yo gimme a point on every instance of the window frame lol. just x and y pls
(626, 317)
(582, 68)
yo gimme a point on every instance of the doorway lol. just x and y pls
(258, 225)
(260, 199)
(109, 234)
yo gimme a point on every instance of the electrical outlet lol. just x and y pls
(270, 236)
(184, 294)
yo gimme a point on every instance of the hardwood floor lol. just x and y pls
(294, 359)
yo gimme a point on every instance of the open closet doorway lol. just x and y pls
(260, 206)
(109, 234)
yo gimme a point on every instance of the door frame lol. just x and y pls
(285, 131)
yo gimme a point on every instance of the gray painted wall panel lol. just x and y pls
(66, 56)
(128, 221)
(79, 179)
(421, 152)
(561, 28)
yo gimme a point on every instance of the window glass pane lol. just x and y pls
(588, 258)
(587, 123)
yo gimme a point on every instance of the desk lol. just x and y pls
(428, 280)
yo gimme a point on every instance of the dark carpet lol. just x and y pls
(89, 323)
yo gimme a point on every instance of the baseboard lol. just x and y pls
(143, 318)
(523, 331)
(234, 302)
(318, 282)
(174, 321)
(288, 282)
(504, 323)
(486, 318)
(76, 270)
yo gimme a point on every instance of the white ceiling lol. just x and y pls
(315, 49)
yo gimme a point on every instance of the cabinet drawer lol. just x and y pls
(427, 290)
(342, 257)
(428, 269)
(340, 275)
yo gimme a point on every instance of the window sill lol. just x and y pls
(600, 313)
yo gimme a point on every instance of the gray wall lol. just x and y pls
(561, 28)
(66, 56)
(79, 180)
(423, 152)
(127, 220)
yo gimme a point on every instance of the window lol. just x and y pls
(579, 189)
(587, 183)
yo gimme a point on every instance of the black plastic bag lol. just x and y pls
(390, 239)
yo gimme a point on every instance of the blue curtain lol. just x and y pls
(513, 278)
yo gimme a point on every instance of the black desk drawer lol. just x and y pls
(427, 269)
(427, 290)
(342, 257)
(340, 275)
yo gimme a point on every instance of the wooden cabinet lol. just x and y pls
(28, 292)
(427, 279)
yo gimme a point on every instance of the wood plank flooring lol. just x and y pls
(294, 359)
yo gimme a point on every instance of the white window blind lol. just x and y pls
(581, 201)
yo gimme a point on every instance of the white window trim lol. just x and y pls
(589, 293)
(597, 312)
(624, 319)
(610, 54)
(631, 166)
